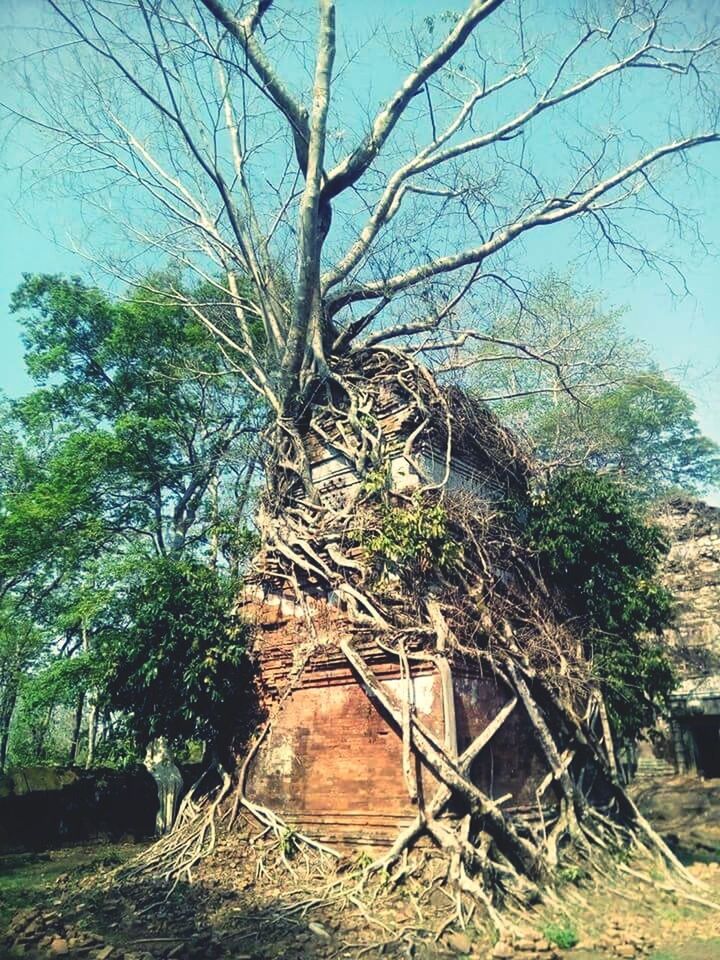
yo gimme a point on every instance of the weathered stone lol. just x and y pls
(459, 942)
(104, 952)
(319, 930)
(59, 947)
(625, 950)
(502, 951)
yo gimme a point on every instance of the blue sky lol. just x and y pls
(683, 332)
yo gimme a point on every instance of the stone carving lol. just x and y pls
(159, 762)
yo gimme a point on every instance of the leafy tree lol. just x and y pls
(591, 538)
(138, 389)
(558, 343)
(175, 661)
(46, 693)
(137, 441)
(587, 395)
(643, 431)
(20, 646)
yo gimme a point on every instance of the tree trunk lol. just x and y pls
(77, 723)
(6, 715)
(92, 698)
(92, 729)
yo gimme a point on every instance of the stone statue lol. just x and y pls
(159, 762)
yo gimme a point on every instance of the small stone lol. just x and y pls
(460, 942)
(104, 953)
(319, 930)
(438, 899)
(625, 950)
(527, 946)
(59, 947)
(502, 951)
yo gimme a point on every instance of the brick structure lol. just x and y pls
(332, 762)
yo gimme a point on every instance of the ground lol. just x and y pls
(248, 904)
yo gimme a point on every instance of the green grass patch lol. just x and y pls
(563, 935)
(29, 879)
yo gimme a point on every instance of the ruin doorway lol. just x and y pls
(706, 736)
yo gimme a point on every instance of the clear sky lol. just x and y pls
(684, 332)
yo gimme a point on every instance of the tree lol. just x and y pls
(597, 401)
(643, 431)
(173, 660)
(50, 689)
(20, 646)
(562, 346)
(136, 390)
(230, 165)
(133, 443)
(591, 538)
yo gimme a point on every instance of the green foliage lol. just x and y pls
(138, 440)
(138, 411)
(412, 541)
(643, 431)
(591, 540)
(632, 421)
(177, 664)
(288, 843)
(21, 646)
(563, 934)
(571, 874)
(377, 482)
(119, 747)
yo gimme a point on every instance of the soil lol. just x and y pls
(266, 900)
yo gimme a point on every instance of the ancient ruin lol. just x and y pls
(692, 571)
(332, 763)
(419, 682)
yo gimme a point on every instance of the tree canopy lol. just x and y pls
(400, 223)
(137, 442)
(592, 540)
(173, 654)
(586, 394)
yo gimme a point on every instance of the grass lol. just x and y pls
(28, 879)
(563, 935)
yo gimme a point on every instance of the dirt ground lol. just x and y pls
(246, 904)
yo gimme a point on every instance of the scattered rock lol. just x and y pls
(319, 930)
(460, 942)
(104, 953)
(502, 951)
(59, 947)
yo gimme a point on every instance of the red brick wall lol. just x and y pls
(332, 764)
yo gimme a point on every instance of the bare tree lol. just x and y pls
(220, 140)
